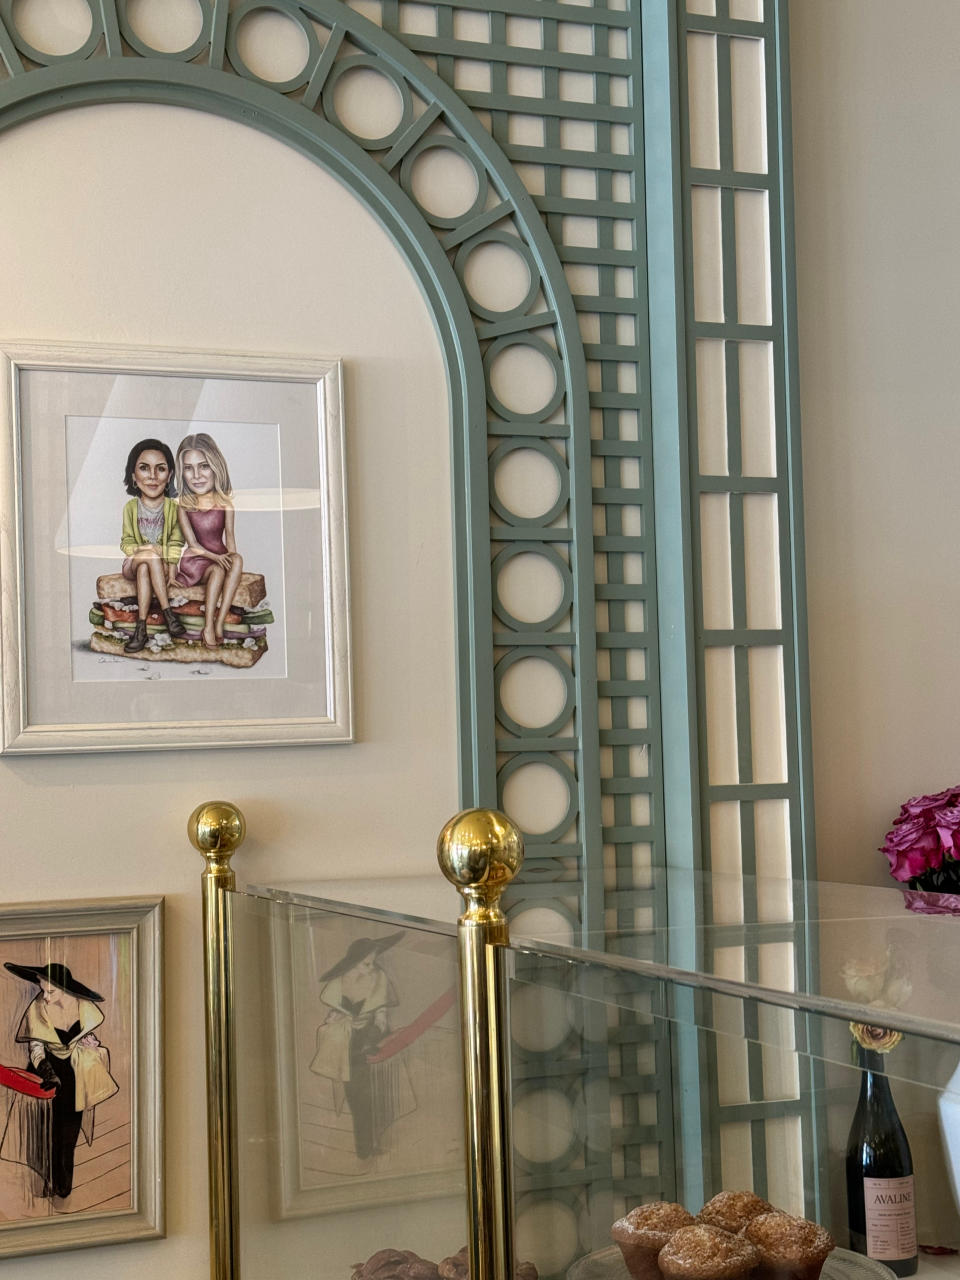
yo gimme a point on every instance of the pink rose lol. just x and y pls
(912, 847)
(923, 846)
(948, 829)
(921, 805)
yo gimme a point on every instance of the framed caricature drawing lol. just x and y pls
(173, 567)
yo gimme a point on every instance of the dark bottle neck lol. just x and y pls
(874, 1085)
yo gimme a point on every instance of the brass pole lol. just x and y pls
(480, 851)
(217, 829)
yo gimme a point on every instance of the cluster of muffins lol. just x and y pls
(736, 1236)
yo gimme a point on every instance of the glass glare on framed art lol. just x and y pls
(356, 1076)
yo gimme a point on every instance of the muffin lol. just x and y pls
(790, 1248)
(643, 1233)
(457, 1267)
(732, 1210)
(702, 1252)
(395, 1264)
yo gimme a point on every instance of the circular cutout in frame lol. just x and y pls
(548, 1231)
(178, 29)
(532, 576)
(545, 921)
(530, 459)
(540, 1018)
(49, 31)
(365, 65)
(293, 53)
(459, 158)
(544, 1126)
(508, 259)
(526, 681)
(539, 792)
(524, 365)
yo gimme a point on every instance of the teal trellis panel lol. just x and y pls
(560, 89)
(746, 581)
(743, 451)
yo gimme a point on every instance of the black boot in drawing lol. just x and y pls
(138, 640)
(174, 625)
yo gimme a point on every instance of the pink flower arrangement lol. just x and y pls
(923, 848)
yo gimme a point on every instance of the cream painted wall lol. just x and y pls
(150, 225)
(876, 110)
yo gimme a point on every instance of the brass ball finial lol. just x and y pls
(217, 829)
(480, 851)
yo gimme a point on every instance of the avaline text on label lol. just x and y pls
(891, 1217)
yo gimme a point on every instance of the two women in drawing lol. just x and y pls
(173, 541)
(65, 1055)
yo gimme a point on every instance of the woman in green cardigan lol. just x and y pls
(151, 540)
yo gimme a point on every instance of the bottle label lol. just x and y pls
(891, 1218)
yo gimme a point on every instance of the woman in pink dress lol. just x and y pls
(206, 519)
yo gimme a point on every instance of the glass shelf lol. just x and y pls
(857, 950)
(648, 1063)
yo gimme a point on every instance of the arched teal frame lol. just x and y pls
(114, 65)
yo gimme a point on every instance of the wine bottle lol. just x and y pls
(881, 1209)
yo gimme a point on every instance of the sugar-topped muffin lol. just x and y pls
(702, 1252)
(395, 1264)
(643, 1232)
(790, 1248)
(732, 1210)
(457, 1267)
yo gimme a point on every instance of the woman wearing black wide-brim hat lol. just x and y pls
(66, 1056)
(358, 994)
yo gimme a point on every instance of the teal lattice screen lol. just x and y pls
(746, 560)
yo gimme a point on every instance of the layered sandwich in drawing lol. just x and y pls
(114, 616)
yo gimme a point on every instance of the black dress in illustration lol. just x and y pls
(358, 995)
(71, 1069)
